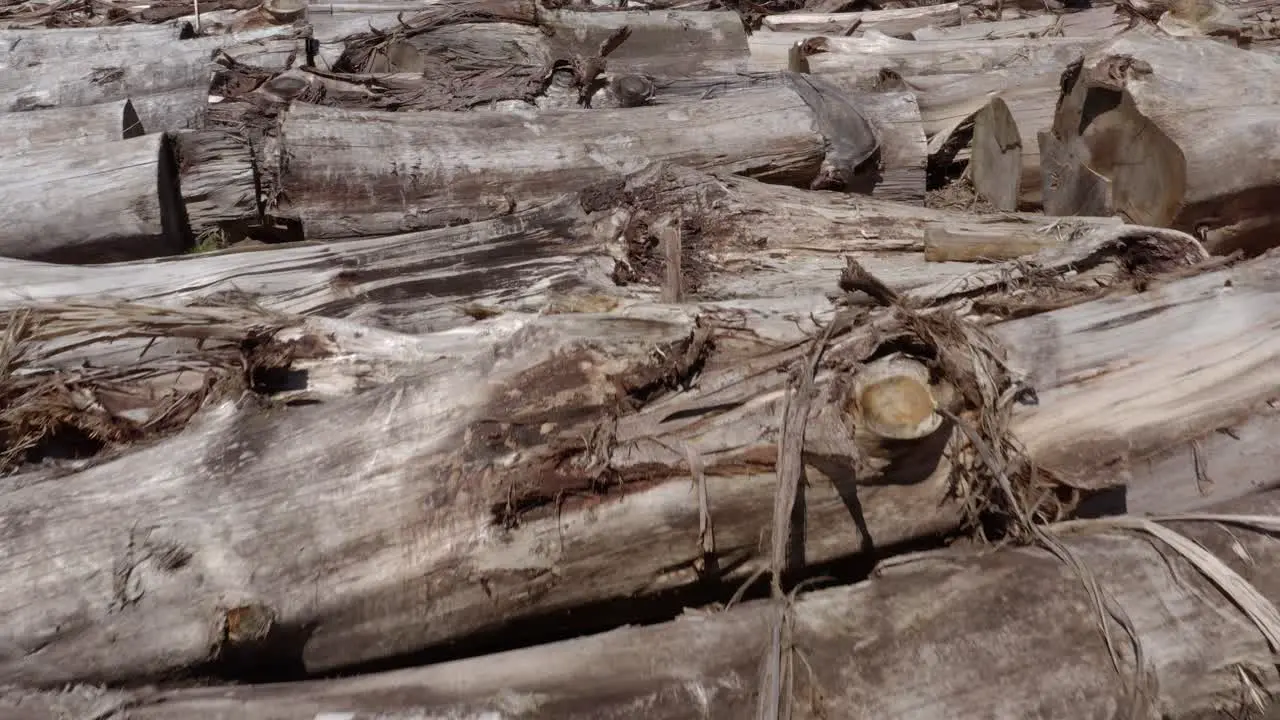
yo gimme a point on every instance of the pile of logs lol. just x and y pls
(506, 359)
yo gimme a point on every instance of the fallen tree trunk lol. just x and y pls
(92, 203)
(875, 52)
(350, 173)
(899, 22)
(80, 79)
(504, 533)
(104, 122)
(706, 664)
(596, 248)
(1152, 127)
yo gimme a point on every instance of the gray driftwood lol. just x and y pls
(592, 249)
(432, 516)
(1166, 141)
(885, 648)
(346, 173)
(92, 203)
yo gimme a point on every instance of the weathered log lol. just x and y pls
(459, 550)
(962, 242)
(741, 239)
(886, 647)
(894, 116)
(894, 23)
(217, 179)
(1150, 128)
(1098, 23)
(179, 67)
(874, 52)
(663, 44)
(93, 203)
(1006, 150)
(382, 173)
(105, 122)
(25, 48)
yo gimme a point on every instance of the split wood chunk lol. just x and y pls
(1152, 127)
(705, 664)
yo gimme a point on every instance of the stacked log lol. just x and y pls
(385, 359)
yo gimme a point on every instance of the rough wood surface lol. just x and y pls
(1159, 121)
(741, 239)
(346, 173)
(884, 648)
(217, 178)
(898, 22)
(1102, 22)
(92, 203)
(104, 122)
(875, 52)
(546, 556)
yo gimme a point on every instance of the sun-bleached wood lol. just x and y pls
(92, 203)
(898, 22)
(347, 173)
(379, 538)
(875, 51)
(901, 657)
(104, 122)
(750, 240)
(1158, 123)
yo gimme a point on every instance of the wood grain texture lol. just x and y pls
(885, 648)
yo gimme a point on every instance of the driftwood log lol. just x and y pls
(346, 173)
(740, 239)
(887, 647)
(93, 203)
(1152, 127)
(529, 532)
(1099, 23)
(898, 22)
(874, 52)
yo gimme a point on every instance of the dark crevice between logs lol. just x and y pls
(277, 655)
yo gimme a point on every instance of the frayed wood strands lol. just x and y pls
(135, 396)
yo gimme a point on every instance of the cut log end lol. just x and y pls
(892, 399)
(997, 156)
